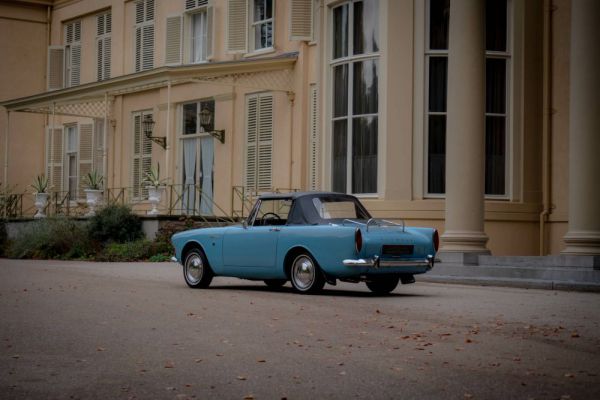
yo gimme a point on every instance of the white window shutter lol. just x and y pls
(210, 33)
(56, 67)
(313, 145)
(301, 19)
(251, 140)
(138, 49)
(265, 142)
(54, 159)
(147, 47)
(142, 156)
(86, 153)
(237, 26)
(107, 58)
(75, 72)
(173, 40)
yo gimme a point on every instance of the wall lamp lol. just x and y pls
(206, 122)
(148, 126)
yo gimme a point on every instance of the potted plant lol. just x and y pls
(93, 182)
(156, 187)
(40, 187)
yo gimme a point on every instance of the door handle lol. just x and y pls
(274, 229)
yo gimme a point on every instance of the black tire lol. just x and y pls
(305, 274)
(383, 284)
(275, 283)
(196, 271)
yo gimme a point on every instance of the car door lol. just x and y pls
(250, 247)
(255, 245)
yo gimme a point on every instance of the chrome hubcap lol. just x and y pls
(193, 268)
(303, 272)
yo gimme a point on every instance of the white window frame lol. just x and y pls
(253, 25)
(349, 60)
(428, 53)
(189, 43)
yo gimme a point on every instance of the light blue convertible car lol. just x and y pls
(309, 239)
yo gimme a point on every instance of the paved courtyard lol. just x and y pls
(72, 330)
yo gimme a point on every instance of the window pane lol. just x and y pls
(439, 16)
(340, 31)
(364, 155)
(365, 95)
(436, 161)
(263, 9)
(190, 116)
(495, 155)
(199, 37)
(339, 155)
(366, 26)
(495, 25)
(340, 90)
(495, 85)
(438, 83)
(263, 35)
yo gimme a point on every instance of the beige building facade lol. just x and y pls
(457, 114)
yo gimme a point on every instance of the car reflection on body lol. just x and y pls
(308, 238)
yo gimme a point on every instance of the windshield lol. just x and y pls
(330, 208)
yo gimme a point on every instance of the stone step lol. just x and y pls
(584, 275)
(541, 261)
(511, 282)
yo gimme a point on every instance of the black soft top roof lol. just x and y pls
(304, 211)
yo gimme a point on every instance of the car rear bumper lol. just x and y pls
(376, 262)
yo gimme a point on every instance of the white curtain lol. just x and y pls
(199, 38)
(189, 161)
(207, 149)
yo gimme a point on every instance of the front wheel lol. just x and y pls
(305, 275)
(383, 284)
(196, 271)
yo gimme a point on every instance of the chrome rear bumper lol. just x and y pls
(376, 262)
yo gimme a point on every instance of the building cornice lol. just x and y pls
(152, 79)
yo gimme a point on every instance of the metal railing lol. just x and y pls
(184, 200)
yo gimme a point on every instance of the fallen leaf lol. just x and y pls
(100, 349)
(248, 397)
(574, 335)
(569, 375)
(197, 360)
(261, 361)
(169, 364)
(241, 378)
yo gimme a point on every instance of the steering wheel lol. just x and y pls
(272, 216)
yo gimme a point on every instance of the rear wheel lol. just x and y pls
(305, 274)
(275, 283)
(383, 284)
(196, 271)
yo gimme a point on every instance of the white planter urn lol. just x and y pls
(154, 196)
(41, 200)
(93, 197)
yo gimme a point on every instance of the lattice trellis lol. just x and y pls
(87, 108)
(277, 80)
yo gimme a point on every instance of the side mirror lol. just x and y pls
(245, 223)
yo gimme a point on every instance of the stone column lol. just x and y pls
(464, 238)
(583, 236)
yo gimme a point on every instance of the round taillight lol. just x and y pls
(358, 240)
(436, 240)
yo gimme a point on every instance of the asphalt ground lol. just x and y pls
(77, 330)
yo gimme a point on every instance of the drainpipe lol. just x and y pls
(291, 97)
(546, 125)
(6, 148)
(168, 122)
(105, 140)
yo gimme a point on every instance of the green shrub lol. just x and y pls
(115, 224)
(52, 238)
(137, 250)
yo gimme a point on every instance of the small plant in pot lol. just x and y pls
(40, 187)
(156, 187)
(93, 182)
